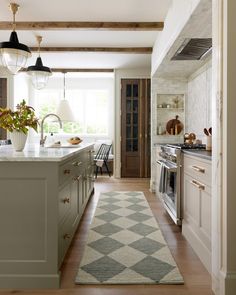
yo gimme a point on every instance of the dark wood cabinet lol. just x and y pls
(135, 128)
(3, 102)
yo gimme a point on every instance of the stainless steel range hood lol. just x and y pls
(194, 49)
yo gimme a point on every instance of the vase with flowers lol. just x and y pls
(18, 123)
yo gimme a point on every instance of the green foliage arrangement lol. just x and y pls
(20, 120)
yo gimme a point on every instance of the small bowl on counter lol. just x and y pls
(74, 140)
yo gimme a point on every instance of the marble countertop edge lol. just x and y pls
(35, 153)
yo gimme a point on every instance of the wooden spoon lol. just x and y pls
(210, 131)
(206, 132)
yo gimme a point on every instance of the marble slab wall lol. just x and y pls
(198, 104)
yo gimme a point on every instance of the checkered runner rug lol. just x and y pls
(125, 244)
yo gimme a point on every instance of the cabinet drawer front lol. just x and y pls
(198, 169)
(64, 201)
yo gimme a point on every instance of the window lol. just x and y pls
(90, 100)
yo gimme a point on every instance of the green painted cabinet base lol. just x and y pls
(41, 204)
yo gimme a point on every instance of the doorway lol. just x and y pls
(135, 128)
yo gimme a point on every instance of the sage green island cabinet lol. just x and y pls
(43, 194)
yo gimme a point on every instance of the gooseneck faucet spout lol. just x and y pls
(42, 138)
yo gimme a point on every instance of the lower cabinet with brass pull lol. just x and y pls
(76, 187)
(196, 224)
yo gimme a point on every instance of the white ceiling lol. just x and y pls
(89, 10)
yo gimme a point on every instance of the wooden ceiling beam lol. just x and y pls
(138, 50)
(79, 70)
(108, 26)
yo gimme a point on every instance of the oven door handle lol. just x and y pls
(169, 168)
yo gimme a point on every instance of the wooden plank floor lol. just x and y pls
(197, 279)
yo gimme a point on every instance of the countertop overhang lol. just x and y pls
(34, 152)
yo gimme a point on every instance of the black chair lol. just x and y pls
(101, 158)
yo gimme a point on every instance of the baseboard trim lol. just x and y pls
(201, 250)
(30, 281)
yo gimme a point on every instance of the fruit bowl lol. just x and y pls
(75, 140)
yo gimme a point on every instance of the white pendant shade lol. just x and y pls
(64, 111)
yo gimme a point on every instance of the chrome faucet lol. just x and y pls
(43, 138)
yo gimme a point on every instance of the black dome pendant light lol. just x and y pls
(39, 73)
(14, 54)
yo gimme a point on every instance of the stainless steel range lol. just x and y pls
(168, 182)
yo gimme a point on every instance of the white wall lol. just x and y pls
(123, 74)
(198, 102)
(178, 15)
(21, 88)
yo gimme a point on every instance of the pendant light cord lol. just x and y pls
(14, 8)
(64, 93)
(39, 40)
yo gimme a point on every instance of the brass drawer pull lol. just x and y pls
(91, 152)
(66, 200)
(66, 171)
(66, 236)
(77, 164)
(198, 184)
(198, 169)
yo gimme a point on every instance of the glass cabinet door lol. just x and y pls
(132, 108)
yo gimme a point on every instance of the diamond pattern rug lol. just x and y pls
(125, 245)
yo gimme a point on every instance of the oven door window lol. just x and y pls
(171, 188)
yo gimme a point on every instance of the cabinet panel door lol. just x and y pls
(205, 217)
(191, 202)
(130, 105)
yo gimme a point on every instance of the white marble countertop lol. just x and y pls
(40, 154)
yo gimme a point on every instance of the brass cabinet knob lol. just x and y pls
(66, 200)
(66, 236)
(67, 171)
(77, 164)
(77, 178)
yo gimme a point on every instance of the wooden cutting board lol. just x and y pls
(174, 126)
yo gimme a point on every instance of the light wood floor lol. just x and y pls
(197, 279)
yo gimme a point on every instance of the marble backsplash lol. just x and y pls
(198, 103)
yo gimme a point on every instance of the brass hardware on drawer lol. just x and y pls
(198, 169)
(91, 152)
(198, 184)
(77, 178)
(66, 171)
(77, 164)
(66, 200)
(66, 236)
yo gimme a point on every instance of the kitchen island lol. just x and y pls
(43, 194)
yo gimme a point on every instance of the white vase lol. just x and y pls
(18, 139)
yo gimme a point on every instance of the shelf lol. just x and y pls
(169, 135)
(176, 109)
